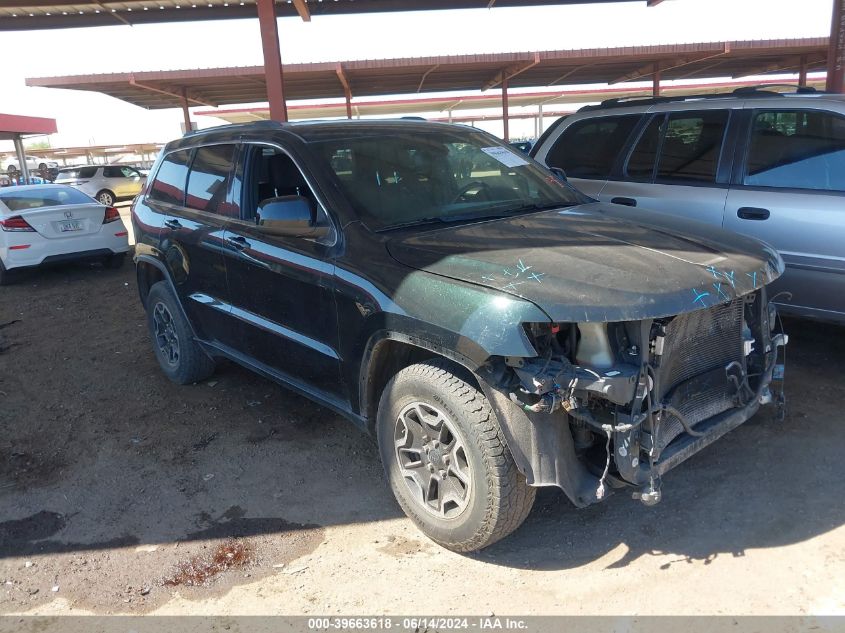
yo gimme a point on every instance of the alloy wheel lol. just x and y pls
(432, 460)
(165, 334)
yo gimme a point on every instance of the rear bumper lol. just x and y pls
(39, 256)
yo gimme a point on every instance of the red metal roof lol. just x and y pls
(48, 14)
(550, 100)
(12, 125)
(220, 86)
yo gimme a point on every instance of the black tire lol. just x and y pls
(105, 197)
(42, 166)
(114, 261)
(12, 170)
(497, 500)
(190, 363)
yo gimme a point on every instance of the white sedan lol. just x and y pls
(44, 224)
(33, 163)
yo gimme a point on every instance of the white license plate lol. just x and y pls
(72, 225)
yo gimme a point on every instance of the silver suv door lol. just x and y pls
(678, 165)
(791, 194)
(587, 149)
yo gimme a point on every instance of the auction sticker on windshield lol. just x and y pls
(504, 156)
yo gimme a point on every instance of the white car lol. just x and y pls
(32, 163)
(106, 183)
(44, 224)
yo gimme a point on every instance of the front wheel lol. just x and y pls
(180, 357)
(446, 460)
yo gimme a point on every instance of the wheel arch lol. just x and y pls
(389, 352)
(149, 271)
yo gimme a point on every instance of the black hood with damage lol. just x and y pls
(597, 262)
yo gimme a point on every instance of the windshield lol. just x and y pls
(17, 200)
(395, 178)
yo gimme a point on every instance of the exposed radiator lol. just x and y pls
(697, 348)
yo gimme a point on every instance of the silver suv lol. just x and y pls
(106, 183)
(763, 163)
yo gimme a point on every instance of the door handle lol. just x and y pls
(238, 242)
(173, 224)
(753, 213)
(628, 202)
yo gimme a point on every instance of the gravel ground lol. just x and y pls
(113, 480)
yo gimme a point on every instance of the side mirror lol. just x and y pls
(292, 216)
(557, 171)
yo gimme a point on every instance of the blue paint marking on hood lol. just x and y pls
(597, 262)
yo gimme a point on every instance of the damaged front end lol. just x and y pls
(613, 405)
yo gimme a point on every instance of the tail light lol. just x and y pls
(15, 223)
(111, 215)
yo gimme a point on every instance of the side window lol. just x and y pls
(797, 149)
(169, 183)
(691, 146)
(128, 172)
(112, 172)
(208, 179)
(640, 165)
(271, 173)
(589, 148)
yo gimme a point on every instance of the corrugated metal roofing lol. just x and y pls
(221, 86)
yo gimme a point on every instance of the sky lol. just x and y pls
(94, 119)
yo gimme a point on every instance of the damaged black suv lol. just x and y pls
(495, 329)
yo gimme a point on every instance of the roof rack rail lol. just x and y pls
(228, 126)
(762, 90)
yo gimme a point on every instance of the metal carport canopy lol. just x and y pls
(222, 86)
(14, 127)
(47, 14)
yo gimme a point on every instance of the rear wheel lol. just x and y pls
(446, 460)
(105, 197)
(180, 357)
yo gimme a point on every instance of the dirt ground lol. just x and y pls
(112, 480)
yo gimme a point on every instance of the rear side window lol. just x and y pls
(691, 146)
(169, 183)
(683, 149)
(112, 172)
(589, 148)
(797, 149)
(640, 165)
(209, 178)
(77, 172)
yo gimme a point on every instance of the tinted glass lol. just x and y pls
(77, 172)
(169, 184)
(395, 178)
(588, 149)
(17, 200)
(208, 179)
(691, 146)
(797, 149)
(641, 161)
(112, 172)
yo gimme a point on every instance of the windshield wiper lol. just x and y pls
(490, 212)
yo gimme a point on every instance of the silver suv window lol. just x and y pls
(681, 147)
(589, 148)
(801, 149)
